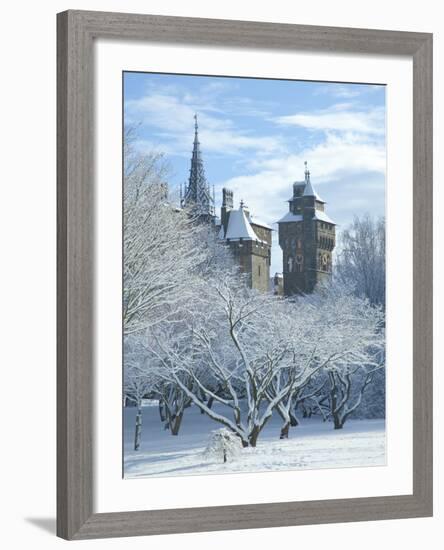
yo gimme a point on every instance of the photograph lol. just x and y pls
(253, 275)
(219, 275)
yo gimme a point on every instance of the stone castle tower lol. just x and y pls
(197, 196)
(249, 240)
(307, 238)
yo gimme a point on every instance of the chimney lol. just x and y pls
(227, 205)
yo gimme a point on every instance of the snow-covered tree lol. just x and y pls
(223, 444)
(341, 334)
(361, 260)
(140, 361)
(242, 342)
(354, 330)
(159, 244)
(137, 383)
(347, 386)
(302, 329)
(307, 394)
(372, 404)
(174, 402)
(362, 264)
(167, 255)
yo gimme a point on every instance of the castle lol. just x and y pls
(306, 233)
(307, 237)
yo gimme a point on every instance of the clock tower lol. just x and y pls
(307, 237)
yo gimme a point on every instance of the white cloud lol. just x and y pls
(341, 117)
(338, 159)
(337, 153)
(173, 116)
(171, 113)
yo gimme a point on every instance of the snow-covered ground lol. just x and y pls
(313, 444)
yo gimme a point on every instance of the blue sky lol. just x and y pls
(255, 135)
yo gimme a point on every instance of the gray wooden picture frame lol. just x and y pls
(76, 32)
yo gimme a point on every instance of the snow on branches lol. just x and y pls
(222, 445)
(356, 335)
(252, 353)
(361, 261)
(196, 334)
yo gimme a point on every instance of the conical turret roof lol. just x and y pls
(239, 227)
(309, 190)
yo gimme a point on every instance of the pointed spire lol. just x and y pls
(197, 192)
(196, 148)
(307, 172)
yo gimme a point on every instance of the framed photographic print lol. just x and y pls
(244, 274)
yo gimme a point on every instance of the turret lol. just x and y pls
(307, 239)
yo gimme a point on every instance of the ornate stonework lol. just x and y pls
(307, 238)
(197, 196)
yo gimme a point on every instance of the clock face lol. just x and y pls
(324, 259)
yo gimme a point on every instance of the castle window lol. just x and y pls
(298, 264)
(259, 270)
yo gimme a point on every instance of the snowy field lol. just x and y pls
(312, 445)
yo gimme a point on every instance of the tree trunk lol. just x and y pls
(162, 411)
(338, 422)
(293, 420)
(289, 419)
(175, 423)
(252, 438)
(334, 402)
(138, 430)
(284, 430)
(210, 402)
